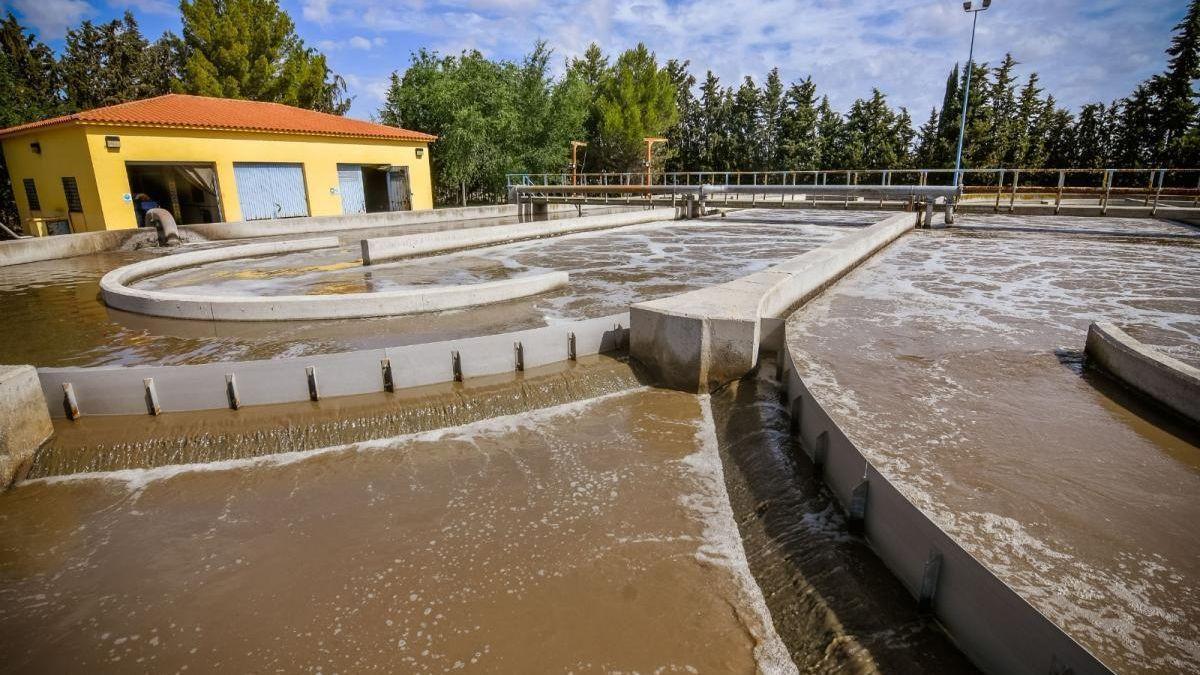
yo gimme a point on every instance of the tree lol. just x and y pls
(30, 89)
(1004, 132)
(799, 143)
(684, 140)
(1179, 110)
(1092, 138)
(745, 126)
(772, 103)
(249, 49)
(832, 137)
(714, 107)
(635, 100)
(928, 150)
(589, 71)
(112, 63)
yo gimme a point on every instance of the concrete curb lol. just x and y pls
(249, 229)
(38, 249)
(389, 248)
(24, 420)
(1167, 381)
(117, 294)
(702, 339)
(989, 621)
(134, 390)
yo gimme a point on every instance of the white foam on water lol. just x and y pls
(137, 479)
(722, 545)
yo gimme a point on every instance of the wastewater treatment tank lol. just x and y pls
(518, 512)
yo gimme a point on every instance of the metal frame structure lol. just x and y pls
(1003, 188)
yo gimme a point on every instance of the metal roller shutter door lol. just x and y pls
(350, 185)
(271, 190)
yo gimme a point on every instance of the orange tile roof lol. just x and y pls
(203, 112)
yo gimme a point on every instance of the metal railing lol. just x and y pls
(1003, 187)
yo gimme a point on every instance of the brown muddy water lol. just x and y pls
(636, 531)
(53, 315)
(954, 360)
(594, 536)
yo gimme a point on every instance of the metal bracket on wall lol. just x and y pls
(152, 405)
(929, 580)
(389, 384)
(821, 451)
(795, 413)
(70, 403)
(231, 390)
(858, 505)
(314, 393)
(519, 357)
(456, 365)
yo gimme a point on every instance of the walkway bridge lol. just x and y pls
(1173, 193)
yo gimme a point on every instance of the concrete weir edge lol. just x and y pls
(380, 249)
(37, 249)
(133, 390)
(702, 339)
(989, 621)
(117, 294)
(1169, 382)
(24, 420)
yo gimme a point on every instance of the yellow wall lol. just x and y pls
(103, 181)
(64, 153)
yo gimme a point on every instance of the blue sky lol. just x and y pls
(1084, 50)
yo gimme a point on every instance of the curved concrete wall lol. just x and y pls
(702, 339)
(248, 229)
(1165, 380)
(989, 621)
(24, 424)
(388, 248)
(70, 245)
(36, 249)
(116, 292)
(121, 390)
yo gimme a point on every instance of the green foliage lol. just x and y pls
(112, 63)
(634, 100)
(491, 118)
(249, 49)
(30, 89)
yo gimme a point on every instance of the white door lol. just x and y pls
(271, 190)
(350, 185)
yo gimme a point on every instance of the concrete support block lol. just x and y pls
(24, 420)
(1167, 381)
(702, 339)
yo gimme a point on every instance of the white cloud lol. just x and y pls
(1096, 50)
(159, 7)
(355, 42)
(51, 18)
(368, 92)
(316, 10)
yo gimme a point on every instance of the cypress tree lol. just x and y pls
(249, 49)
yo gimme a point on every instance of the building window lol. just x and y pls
(71, 189)
(31, 195)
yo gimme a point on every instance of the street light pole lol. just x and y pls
(962, 125)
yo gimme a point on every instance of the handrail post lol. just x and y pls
(1108, 176)
(1012, 199)
(1062, 177)
(1162, 175)
(999, 189)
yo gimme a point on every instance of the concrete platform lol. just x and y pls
(24, 420)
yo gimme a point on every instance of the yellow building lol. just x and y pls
(209, 160)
